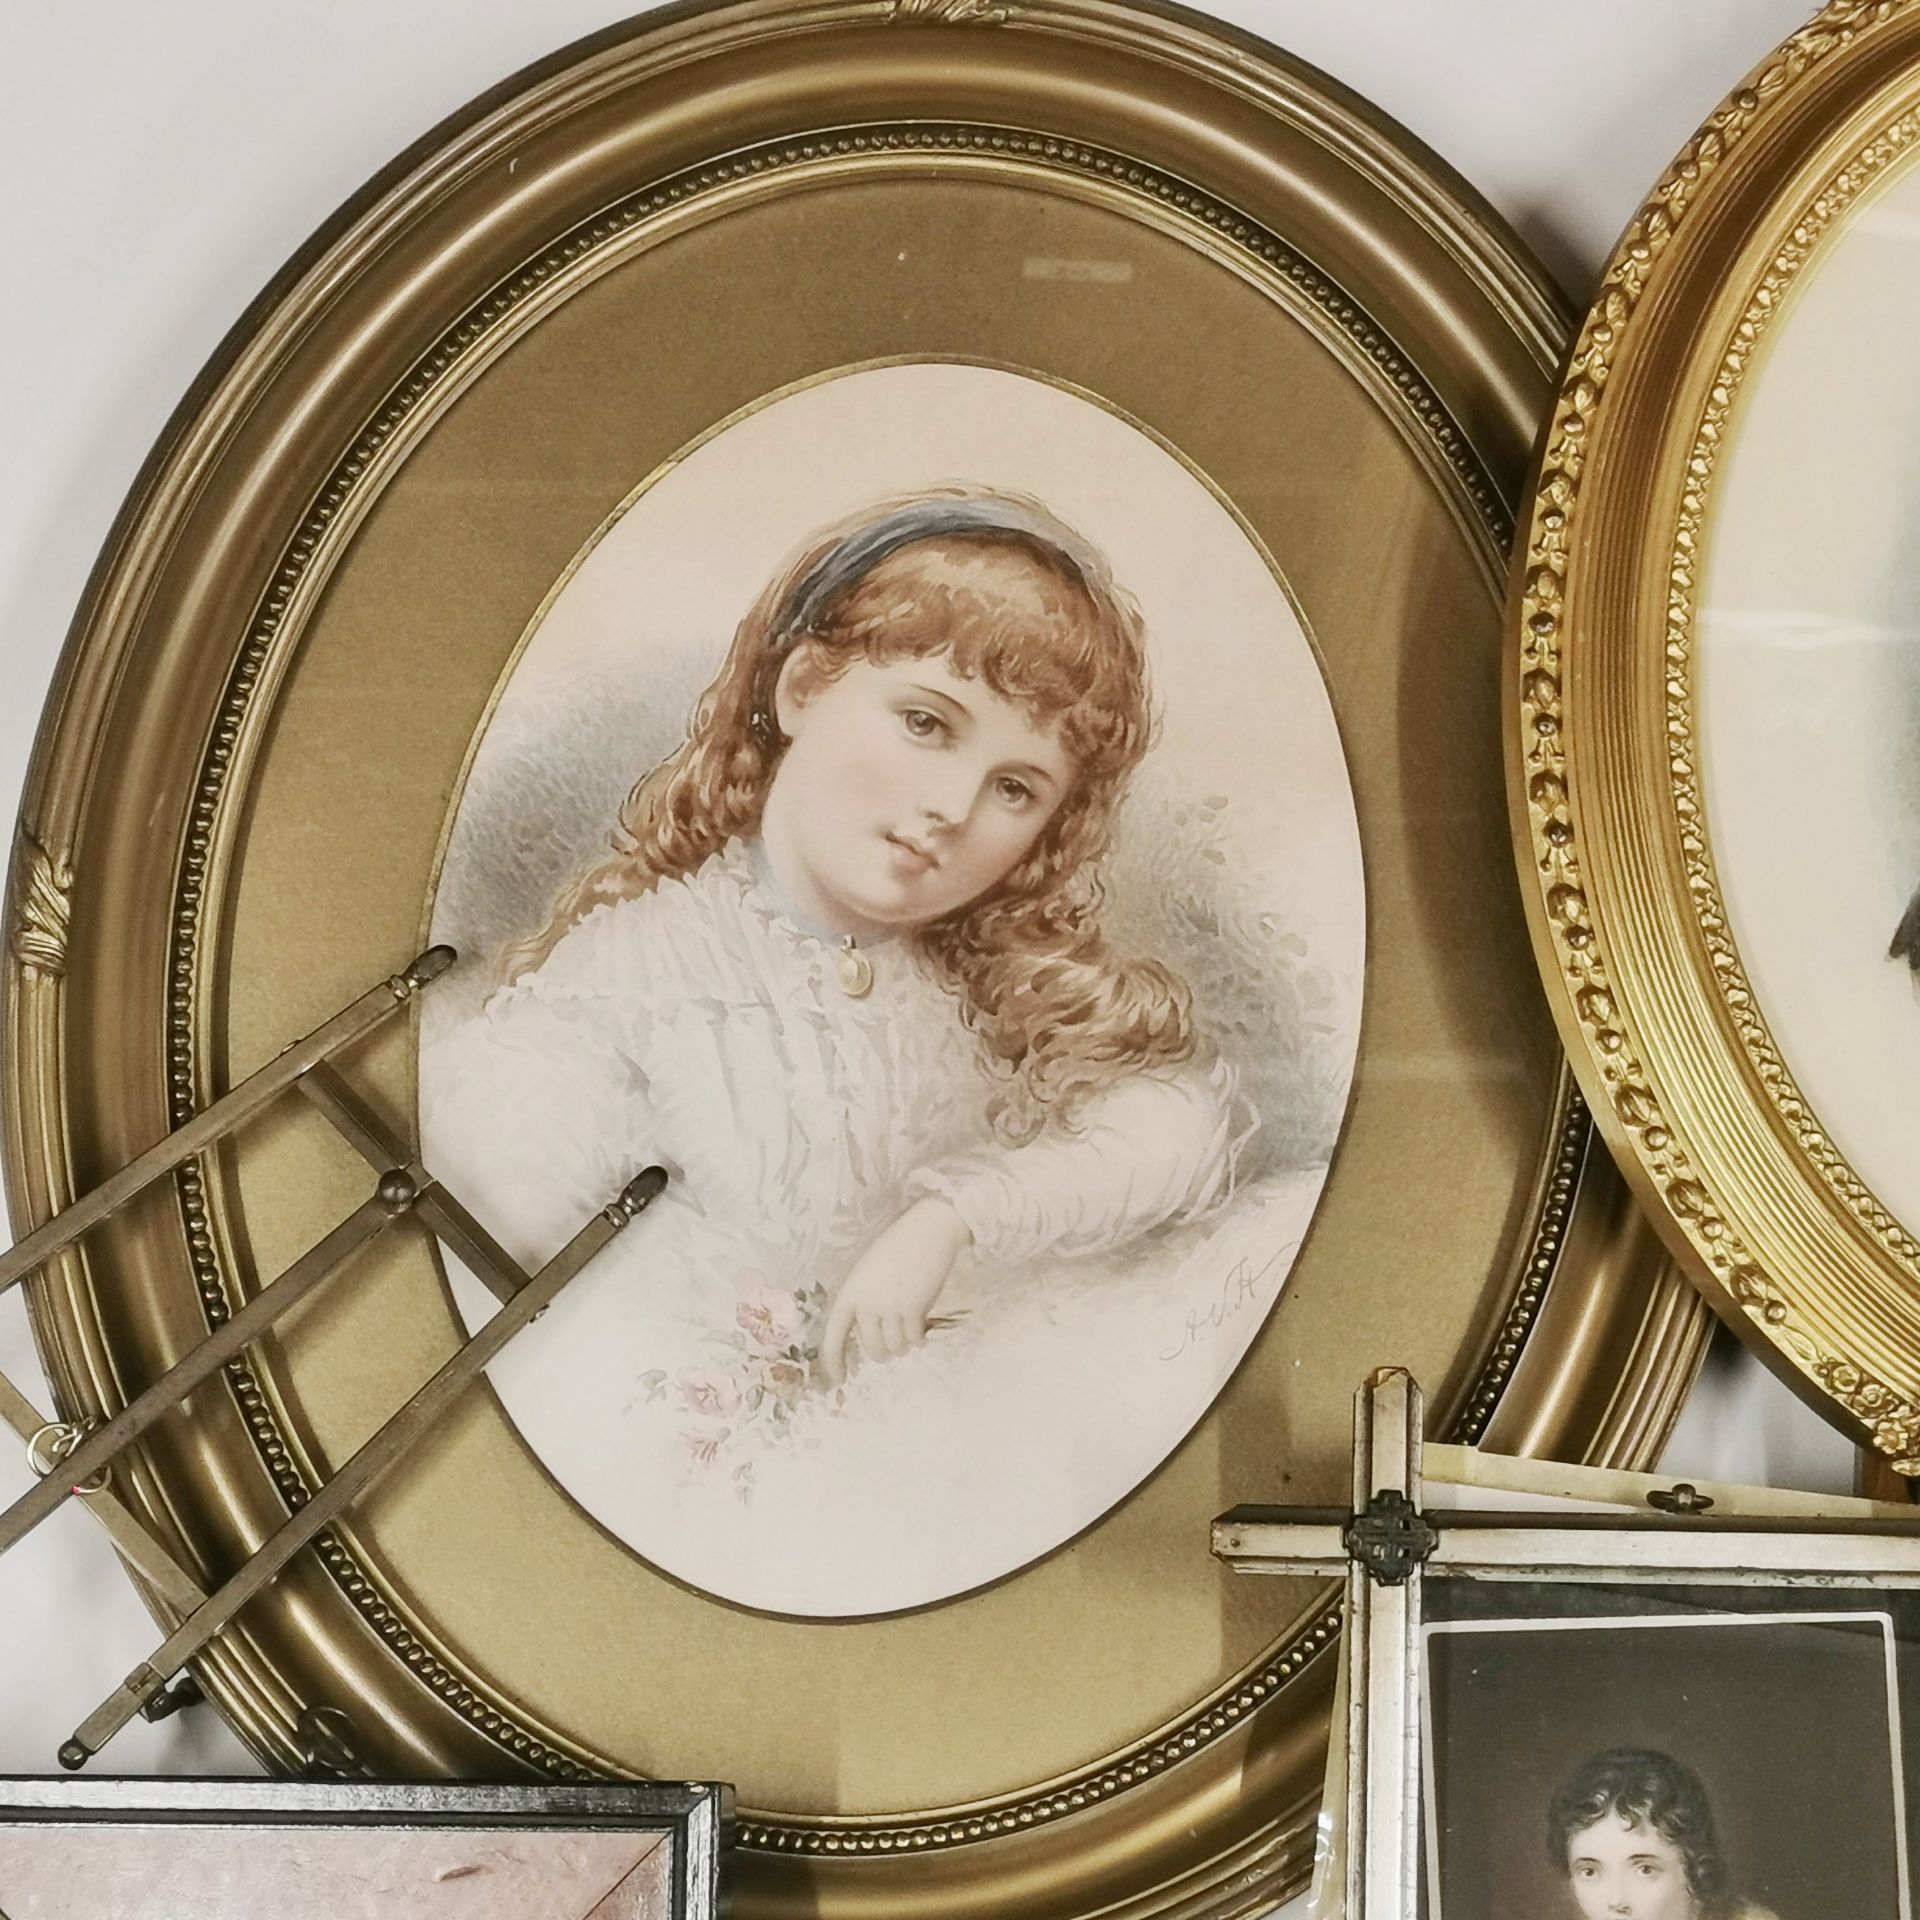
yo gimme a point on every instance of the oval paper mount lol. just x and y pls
(324, 578)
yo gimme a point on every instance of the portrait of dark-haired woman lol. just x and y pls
(1633, 1832)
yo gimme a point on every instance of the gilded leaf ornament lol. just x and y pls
(43, 887)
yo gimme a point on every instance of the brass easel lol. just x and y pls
(83, 1458)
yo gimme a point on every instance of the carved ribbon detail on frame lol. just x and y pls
(43, 887)
(953, 13)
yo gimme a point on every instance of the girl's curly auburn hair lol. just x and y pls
(1650, 1790)
(1041, 623)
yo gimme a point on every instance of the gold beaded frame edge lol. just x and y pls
(1617, 1046)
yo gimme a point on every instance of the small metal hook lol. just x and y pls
(51, 1444)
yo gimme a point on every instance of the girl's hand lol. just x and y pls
(891, 1288)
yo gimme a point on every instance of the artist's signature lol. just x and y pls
(1243, 1285)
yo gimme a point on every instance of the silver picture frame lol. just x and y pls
(102, 1849)
(1655, 1538)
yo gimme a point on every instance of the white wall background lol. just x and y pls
(158, 163)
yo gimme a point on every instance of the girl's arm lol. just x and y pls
(1156, 1149)
(883, 1303)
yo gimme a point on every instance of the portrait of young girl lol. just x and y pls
(938, 1118)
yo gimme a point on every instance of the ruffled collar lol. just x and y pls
(748, 860)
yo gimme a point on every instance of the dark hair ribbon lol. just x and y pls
(863, 549)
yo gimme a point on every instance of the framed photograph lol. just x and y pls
(1603, 1696)
(1716, 676)
(917, 589)
(1699, 1751)
(233, 1849)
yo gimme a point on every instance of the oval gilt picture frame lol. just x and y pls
(409, 475)
(1714, 690)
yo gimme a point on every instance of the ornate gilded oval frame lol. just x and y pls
(1626, 894)
(293, 637)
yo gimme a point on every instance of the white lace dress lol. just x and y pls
(703, 1026)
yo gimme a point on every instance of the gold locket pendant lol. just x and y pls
(853, 970)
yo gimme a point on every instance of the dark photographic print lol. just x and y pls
(1654, 1761)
